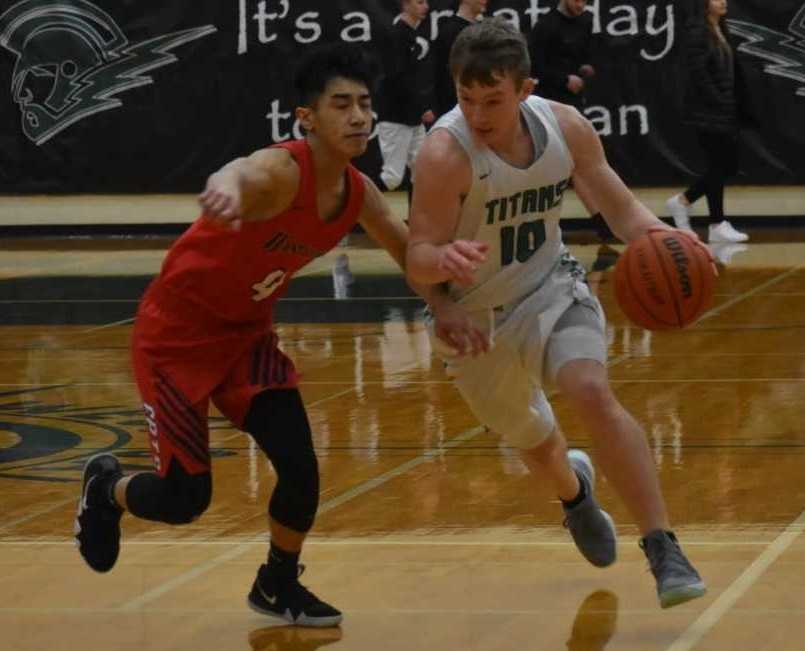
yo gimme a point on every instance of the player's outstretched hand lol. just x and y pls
(221, 205)
(452, 324)
(461, 260)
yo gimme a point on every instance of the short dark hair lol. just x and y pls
(488, 49)
(324, 63)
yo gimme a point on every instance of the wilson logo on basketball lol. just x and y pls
(681, 262)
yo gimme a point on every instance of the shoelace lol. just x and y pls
(660, 553)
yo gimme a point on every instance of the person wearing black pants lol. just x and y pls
(716, 106)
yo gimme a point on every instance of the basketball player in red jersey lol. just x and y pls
(203, 332)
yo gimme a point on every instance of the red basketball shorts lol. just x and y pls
(184, 357)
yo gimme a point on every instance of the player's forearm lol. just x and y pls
(433, 295)
(422, 264)
(636, 221)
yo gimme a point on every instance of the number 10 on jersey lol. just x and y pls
(521, 242)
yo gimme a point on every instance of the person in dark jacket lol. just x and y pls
(560, 47)
(404, 99)
(716, 106)
(444, 88)
(561, 53)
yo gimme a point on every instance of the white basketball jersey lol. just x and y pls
(514, 210)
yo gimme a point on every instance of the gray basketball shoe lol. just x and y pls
(592, 528)
(677, 580)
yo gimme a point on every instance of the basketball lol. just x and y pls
(664, 280)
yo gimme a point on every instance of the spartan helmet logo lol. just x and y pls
(72, 59)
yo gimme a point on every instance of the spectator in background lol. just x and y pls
(561, 53)
(560, 47)
(404, 98)
(716, 106)
(469, 11)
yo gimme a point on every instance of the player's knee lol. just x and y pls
(547, 452)
(189, 497)
(591, 393)
(522, 425)
(530, 432)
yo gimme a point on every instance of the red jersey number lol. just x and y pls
(269, 285)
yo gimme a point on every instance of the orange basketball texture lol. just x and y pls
(663, 281)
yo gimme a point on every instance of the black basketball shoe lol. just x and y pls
(97, 524)
(279, 594)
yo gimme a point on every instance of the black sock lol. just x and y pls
(280, 558)
(578, 499)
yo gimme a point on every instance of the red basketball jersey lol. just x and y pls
(238, 275)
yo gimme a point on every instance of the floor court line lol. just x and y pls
(750, 292)
(360, 542)
(438, 382)
(105, 326)
(357, 491)
(247, 614)
(5, 526)
(738, 588)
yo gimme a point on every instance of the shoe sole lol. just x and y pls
(302, 620)
(682, 594)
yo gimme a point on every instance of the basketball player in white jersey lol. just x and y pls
(485, 221)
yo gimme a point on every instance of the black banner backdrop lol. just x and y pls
(100, 96)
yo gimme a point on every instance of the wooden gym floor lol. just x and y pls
(429, 535)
